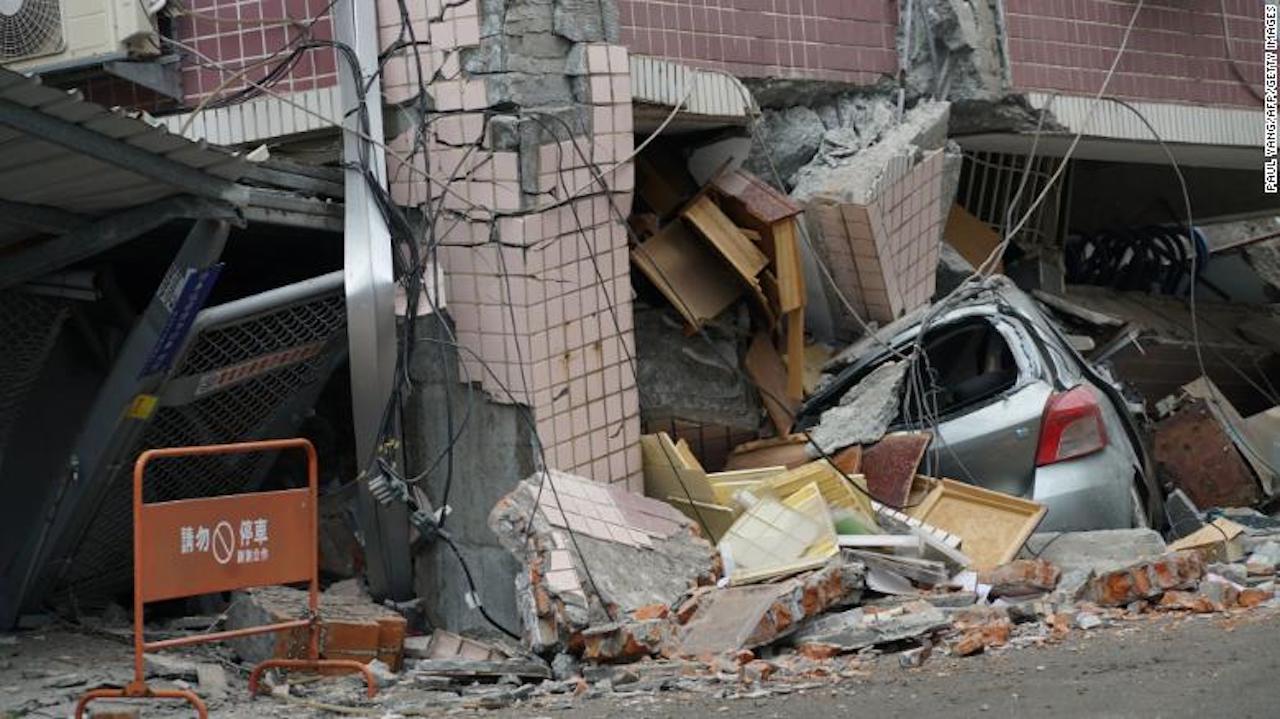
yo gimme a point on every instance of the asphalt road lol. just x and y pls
(1205, 666)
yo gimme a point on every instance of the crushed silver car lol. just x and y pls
(1012, 407)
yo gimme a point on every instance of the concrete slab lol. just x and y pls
(1101, 551)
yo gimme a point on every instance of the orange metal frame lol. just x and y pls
(138, 688)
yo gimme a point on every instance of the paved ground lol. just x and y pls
(1203, 666)
(1200, 666)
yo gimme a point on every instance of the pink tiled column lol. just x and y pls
(538, 285)
(884, 254)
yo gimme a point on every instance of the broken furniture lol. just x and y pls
(1257, 440)
(992, 526)
(705, 250)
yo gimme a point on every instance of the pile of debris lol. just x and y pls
(732, 241)
(809, 573)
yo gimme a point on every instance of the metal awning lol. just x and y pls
(1198, 136)
(77, 178)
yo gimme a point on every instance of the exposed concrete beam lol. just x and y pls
(160, 75)
(119, 153)
(93, 238)
(40, 217)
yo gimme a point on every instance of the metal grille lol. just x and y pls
(239, 412)
(29, 326)
(989, 182)
(29, 28)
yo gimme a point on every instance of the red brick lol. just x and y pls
(818, 651)
(650, 611)
(1146, 580)
(758, 671)
(1022, 577)
(1253, 596)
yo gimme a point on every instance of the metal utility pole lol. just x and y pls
(370, 291)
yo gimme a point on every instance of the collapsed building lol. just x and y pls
(475, 248)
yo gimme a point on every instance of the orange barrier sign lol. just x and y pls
(189, 547)
(200, 546)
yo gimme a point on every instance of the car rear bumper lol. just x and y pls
(1090, 492)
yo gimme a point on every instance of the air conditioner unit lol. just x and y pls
(38, 34)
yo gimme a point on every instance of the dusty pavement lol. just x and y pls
(1196, 666)
(1172, 666)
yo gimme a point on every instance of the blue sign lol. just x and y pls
(182, 314)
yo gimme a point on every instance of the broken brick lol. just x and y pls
(979, 638)
(1146, 580)
(969, 644)
(755, 615)
(757, 671)
(625, 641)
(817, 650)
(1022, 577)
(1059, 625)
(351, 627)
(1188, 601)
(978, 616)
(658, 557)
(650, 611)
(1253, 597)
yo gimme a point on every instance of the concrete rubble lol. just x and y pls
(855, 629)
(864, 412)
(593, 554)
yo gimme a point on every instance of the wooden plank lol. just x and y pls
(754, 474)
(712, 224)
(787, 266)
(753, 201)
(787, 451)
(992, 526)
(795, 354)
(727, 484)
(769, 288)
(666, 473)
(688, 273)
(1253, 447)
(687, 457)
(972, 238)
(765, 368)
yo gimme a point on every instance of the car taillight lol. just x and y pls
(1072, 426)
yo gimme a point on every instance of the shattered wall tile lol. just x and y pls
(592, 554)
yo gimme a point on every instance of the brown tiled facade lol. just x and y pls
(842, 40)
(1176, 52)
